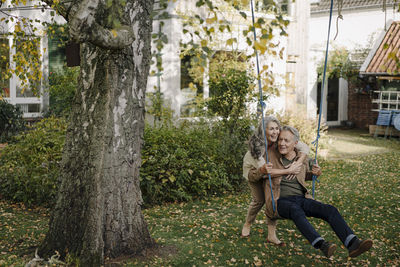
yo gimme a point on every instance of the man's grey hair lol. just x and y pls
(292, 130)
(257, 140)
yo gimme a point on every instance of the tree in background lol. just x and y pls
(231, 85)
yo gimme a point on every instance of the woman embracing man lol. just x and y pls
(289, 167)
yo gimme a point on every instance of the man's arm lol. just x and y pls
(256, 174)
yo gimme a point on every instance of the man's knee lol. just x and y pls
(331, 211)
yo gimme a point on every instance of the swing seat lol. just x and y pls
(384, 118)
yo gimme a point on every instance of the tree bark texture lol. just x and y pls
(98, 211)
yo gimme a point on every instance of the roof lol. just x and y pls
(324, 5)
(383, 59)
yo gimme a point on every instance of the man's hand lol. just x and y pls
(294, 169)
(316, 170)
(266, 168)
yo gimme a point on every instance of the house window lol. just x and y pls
(388, 97)
(57, 55)
(29, 108)
(28, 84)
(187, 80)
(319, 86)
(4, 63)
(333, 100)
(190, 88)
(57, 43)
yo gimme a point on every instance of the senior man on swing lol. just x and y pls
(295, 203)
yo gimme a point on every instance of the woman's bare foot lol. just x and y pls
(274, 240)
(246, 229)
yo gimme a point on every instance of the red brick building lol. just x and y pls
(381, 75)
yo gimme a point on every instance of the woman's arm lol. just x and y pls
(294, 168)
(303, 150)
(251, 168)
(255, 174)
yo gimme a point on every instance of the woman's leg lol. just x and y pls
(272, 231)
(257, 201)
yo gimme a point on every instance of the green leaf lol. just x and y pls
(172, 178)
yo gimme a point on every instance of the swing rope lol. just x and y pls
(262, 105)
(315, 142)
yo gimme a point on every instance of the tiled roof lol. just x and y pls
(324, 5)
(380, 60)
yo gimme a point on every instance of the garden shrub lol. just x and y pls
(63, 84)
(179, 163)
(231, 85)
(232, 146)
(229, 93)
(29, 168)
(190, 161)
(11, 121)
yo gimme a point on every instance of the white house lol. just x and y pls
(296, 75)
(304, 49)
(174, 79)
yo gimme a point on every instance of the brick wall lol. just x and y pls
(359, 109)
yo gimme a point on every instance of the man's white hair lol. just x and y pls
(292, 130)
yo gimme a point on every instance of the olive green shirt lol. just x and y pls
(290, 187)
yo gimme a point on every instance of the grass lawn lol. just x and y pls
(364, 186)
(355, 143)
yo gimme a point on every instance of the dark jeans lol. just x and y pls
(296, 208)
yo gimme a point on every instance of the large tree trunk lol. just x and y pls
(98, 211)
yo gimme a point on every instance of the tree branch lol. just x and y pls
(62, 7)
(83, 27)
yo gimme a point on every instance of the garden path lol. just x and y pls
(350, 143)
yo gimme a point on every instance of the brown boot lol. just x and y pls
(328, 248)
(359, 246)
